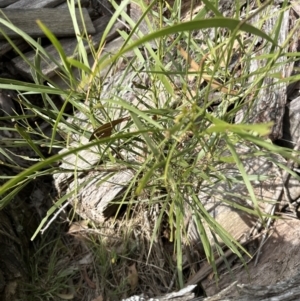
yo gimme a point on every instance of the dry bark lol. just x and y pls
(282, 291)
(288, 290)
(49, 67)
(58, 21)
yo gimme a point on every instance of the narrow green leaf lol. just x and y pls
(28, 139)
(195, 25)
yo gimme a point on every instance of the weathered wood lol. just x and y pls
(83, 3)
(59, 22)
(4, 3)
(91, 203)
(94, 200)
(288, 290)
(69, 45)
(291, 129)
(110, 48)
(184, 294)
(6, 47)
(277, 262)
(25, 4)
(21, 4)
(269, 105)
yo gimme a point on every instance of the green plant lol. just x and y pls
(179, 146)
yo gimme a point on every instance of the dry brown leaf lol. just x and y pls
(133, 277)
(208, 78)
(105, 130)
(222, 51)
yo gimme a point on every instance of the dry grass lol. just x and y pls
(123, 261)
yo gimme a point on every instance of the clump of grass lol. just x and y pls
(172, 139)
(53, 270)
